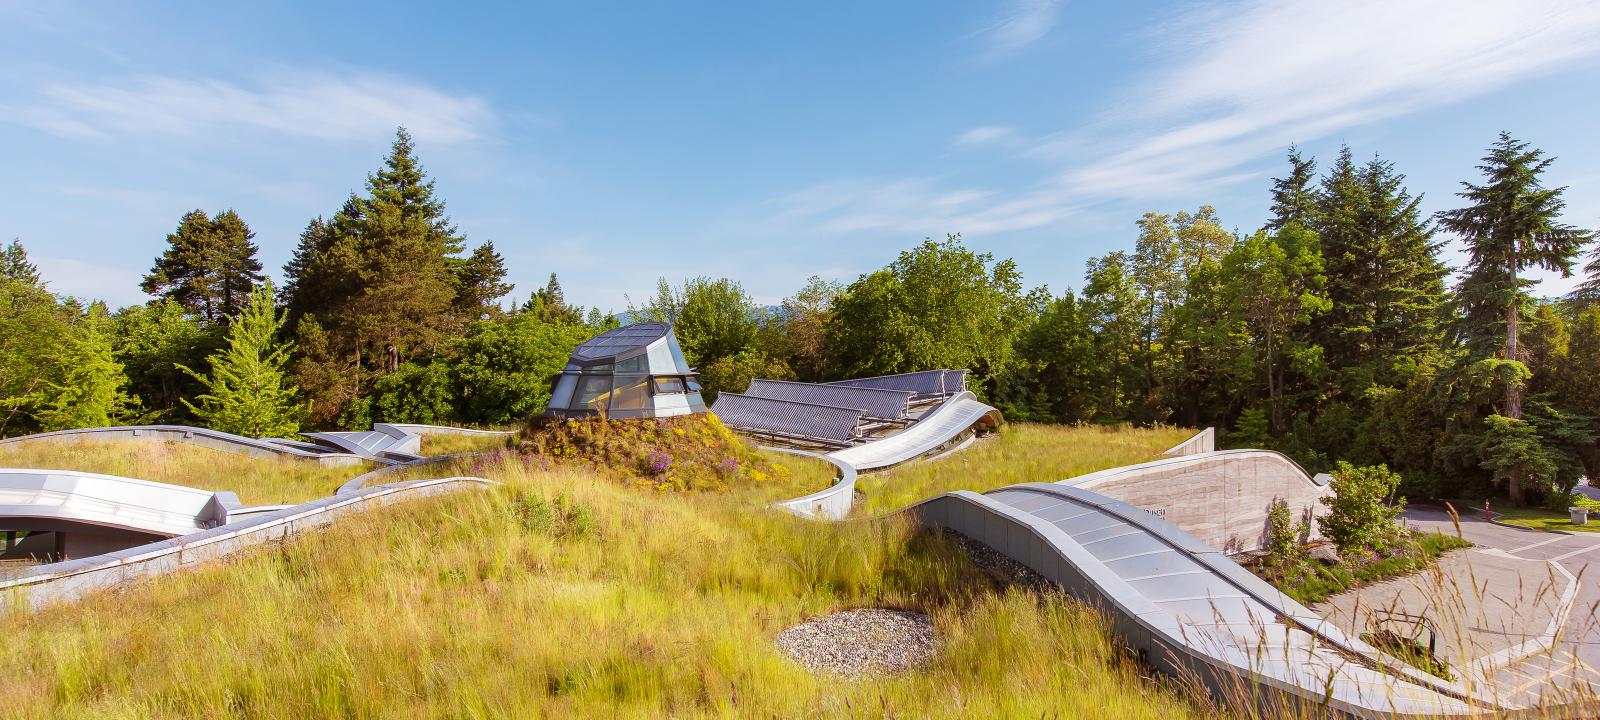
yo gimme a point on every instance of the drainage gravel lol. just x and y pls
(857, 643)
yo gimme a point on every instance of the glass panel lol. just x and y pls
(592, 392)
(561, 397)
(635, 364)
(601, 368)
(631, 394)
(661, 359)
(668, 385)
(677, 355)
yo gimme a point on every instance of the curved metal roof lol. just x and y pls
(621, 341)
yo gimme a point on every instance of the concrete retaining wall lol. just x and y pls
(1220, 497)
(1203, 442)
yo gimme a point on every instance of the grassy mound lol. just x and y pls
(562, 594)
(691, 452)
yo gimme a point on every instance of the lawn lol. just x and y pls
(1542, 519)
(1022, 452)
(564, 593)
(258, 481)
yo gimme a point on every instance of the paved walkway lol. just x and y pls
(1483, 609)
(1569, 669)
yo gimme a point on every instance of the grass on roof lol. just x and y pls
(562, 593)
(1019, 453)
(258, 481)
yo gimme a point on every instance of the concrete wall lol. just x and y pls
(1203, 442)
(1220, 497)
(831, 504)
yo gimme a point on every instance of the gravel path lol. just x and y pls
(862, 642)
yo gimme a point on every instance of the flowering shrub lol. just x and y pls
(688, 453)
(657, 462)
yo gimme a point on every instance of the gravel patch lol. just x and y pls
(1003, 569)
(857, 643)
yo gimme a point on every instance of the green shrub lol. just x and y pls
(1360, 515)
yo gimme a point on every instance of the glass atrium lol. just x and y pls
(637, 371)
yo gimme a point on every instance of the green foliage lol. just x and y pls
(1053, 379)
(414, 393)
(246, 390)
(384, 283)
(91, 391)
(152, 340)
(504, 368)
(715, 320)
(1312, 582)
(209, 266)
(733, 373)
(939, 305)
(1361, 516)
(34, 333)
(798, 333)
(1284, 536)
(1511, 447)
(14, 264)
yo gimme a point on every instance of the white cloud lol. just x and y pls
(1234, 83)
(297, 103)
(1022, 24)
(66, 276)
(986, 134)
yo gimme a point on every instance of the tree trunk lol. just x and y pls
(1513, 392)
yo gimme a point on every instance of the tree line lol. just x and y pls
(1334, 332)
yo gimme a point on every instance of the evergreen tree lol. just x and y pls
(34, 334)
(1275, 283)
(91, 391)
(247, 392)
(209, 266)
(1294, 197)
(14, 264)
(1510, 226)
(480, 283)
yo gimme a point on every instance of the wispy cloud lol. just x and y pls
(117, 286)
(359, 106)
(1234, 83)
(1021, 25)
(986, 135)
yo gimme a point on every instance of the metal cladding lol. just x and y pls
(637, 371)
(927, 382)
(1195, 612)
(42, 500)
(786, 417)
(875, 402)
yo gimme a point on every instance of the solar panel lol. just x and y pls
(786, 417)
(875, 402)
(927, 382)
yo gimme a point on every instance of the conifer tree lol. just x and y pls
(247, 392)
(1294, 196)
(209, 265)
(1510, 225)
(91, 392)
(14, 264)
(480, 281)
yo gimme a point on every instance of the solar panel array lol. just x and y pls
(927, 382)
(758, 414)
(615, 342)
(875, 402)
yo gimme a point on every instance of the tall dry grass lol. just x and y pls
(560, 594)
(435, 444)
(258, 481)
(1021, 452)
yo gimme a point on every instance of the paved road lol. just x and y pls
(1572, 665)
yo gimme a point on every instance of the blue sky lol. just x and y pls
(765, 142)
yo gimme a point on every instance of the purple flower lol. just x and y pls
(728, 466)
(658, 462)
